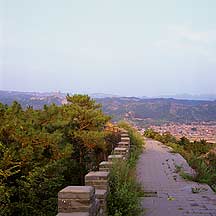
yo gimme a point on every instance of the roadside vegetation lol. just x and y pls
(42, 151)
(125, 192)
(200, 155)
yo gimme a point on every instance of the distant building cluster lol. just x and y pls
(193, 131)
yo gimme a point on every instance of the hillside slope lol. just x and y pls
(160, 109)
(157, 110)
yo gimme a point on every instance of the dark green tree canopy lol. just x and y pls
(42, 151)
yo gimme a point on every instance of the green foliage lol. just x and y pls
(198, 148)
(186, 176)
(42, 151)
(205, 173)
(150, 133)
(125, 192)
(183, 141)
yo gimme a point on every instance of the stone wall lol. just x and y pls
(91, 199)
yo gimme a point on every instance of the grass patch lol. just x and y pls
(197, 189)
(205, 174)
(186, 176)
(125, 192)
(178, 168)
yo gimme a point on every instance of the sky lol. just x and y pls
(122, 47)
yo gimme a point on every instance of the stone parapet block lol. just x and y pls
(124, 134)
(98, 184)
(125, 139)
(105, 166)
(97, 208)
(97, 179)
(101, 195)
(123, 145)
(68, 205)
(115, 157)
(97, 175)
(76, 199)
(120, 151)
(77, 192)
(126, 143)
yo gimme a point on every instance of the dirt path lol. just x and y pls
(168, 193)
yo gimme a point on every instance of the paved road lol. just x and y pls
(169, 194)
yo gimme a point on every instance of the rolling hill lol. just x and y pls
(139, 110)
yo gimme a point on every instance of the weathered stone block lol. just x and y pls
(125, 143)
(124, 134)
(98, 179)
(77, 192)
(102, 197)
(98, 175)
(98, 184)
(101, 194)
(105, 166)
(76, 199)
(120, 151)
(115, 157)
(96, 208)
(69, 206)
(125, 139)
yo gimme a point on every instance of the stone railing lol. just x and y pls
(91, 199)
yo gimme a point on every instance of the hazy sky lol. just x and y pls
(125, 47)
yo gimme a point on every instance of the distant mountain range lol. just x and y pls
(160, 109)
(139, 110)
(208, 97)
(35, 99)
